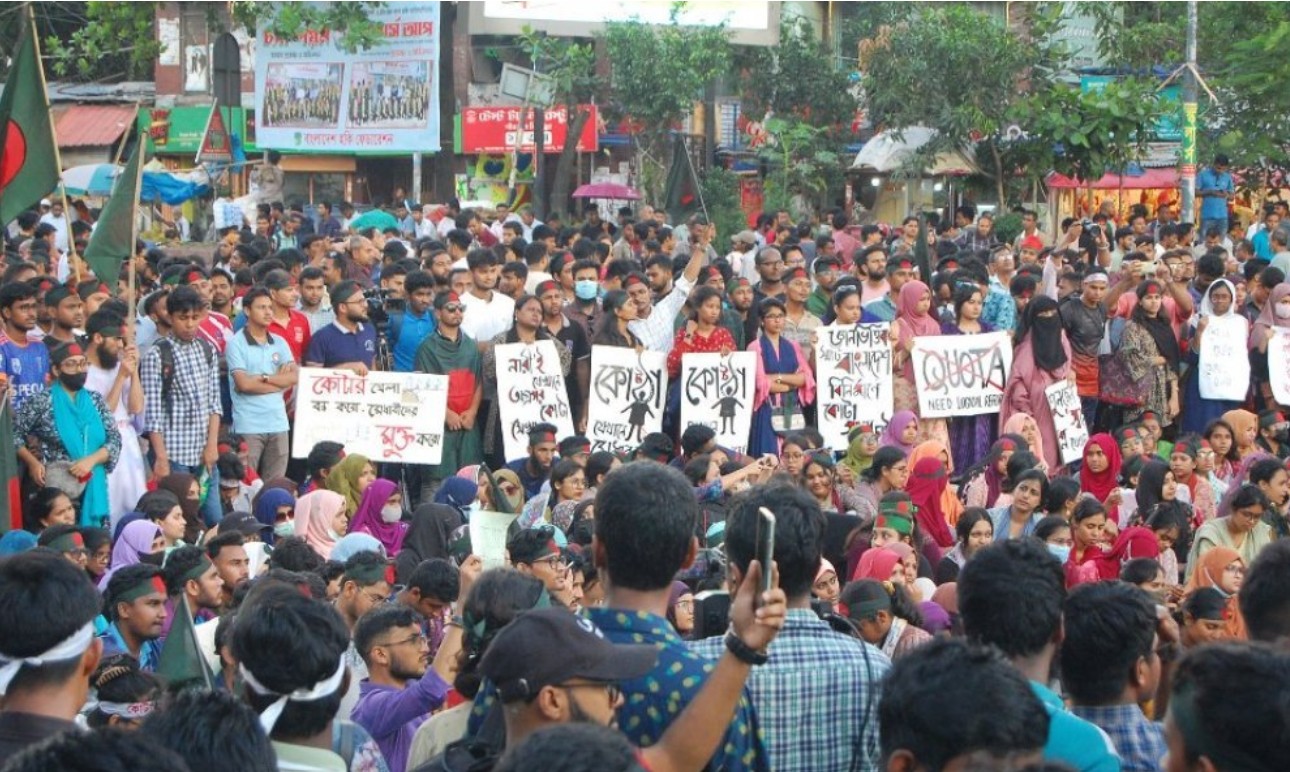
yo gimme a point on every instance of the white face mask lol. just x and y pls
(332, 533)
(1281, 310)
(391, 513)
(283, 530)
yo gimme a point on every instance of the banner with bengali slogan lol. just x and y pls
(718, 392)
(852, 379)
(397, 417)
(1068, 420)
(628, 396)
(530, 391)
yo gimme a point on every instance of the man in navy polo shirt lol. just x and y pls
(349, 343)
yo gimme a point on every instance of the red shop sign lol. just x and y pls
(497, 130)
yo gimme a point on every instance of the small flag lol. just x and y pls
(11, 496)
(181, 662)
(113, 238)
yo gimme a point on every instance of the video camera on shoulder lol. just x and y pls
(711, 614)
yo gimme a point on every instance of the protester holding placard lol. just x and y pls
(1219, 370)
(1274, 317)
(970, 436)
(1042, 358)
(784, 381)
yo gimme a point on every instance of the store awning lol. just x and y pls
(885, 154)
(93, 125)
(1148, 179)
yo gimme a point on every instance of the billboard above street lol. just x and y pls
(313, 95)
(751, 22)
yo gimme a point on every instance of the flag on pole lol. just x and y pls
(681, 193)
(28, 155)
(113, 238)
(181, 662)
(11, 496)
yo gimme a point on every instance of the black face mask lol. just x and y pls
(73, 381)
(153, 558)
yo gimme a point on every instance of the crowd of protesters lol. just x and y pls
(945, 594)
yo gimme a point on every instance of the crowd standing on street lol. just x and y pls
(185, 593)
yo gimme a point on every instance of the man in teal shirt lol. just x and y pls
(409, 328)
(1011, 595)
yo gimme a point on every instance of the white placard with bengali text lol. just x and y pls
(1279, 365)
(530, 391)
(852, 379)
(718, 391)
(627, 397)
(488, 537)
(397, 417)
(1068, 420)
(1224, 361)
(960, 375)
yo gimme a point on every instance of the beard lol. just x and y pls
(407, 673)
(107, 360)
(877, 275)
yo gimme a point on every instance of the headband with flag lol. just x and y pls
(146, 587)
(67, 542)
(896, 515)
(198, 570)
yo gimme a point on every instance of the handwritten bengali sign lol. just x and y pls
(488, 537)
(1224, 362)
(530, 391)
(627, 398)
(852, 379)
(1068, 420)
(385, 416)
(1279, 365)
(718, 392)
(961, 374)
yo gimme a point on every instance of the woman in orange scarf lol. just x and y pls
(951, 507)
(1222, 569)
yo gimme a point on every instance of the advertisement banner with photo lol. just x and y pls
(852, 379)
(313, 95)
(717, 391)
(497, 130)
(397, 417)
(628, 396)
(530, 391)
(1068, 420)
(1224, 362)
(1279, 365)
(961, 374)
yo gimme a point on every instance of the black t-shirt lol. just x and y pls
(1084, 326)
(574, 338)
(19, 731)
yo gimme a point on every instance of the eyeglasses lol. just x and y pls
(418, 640)
(554, 562)
(75, 365)
(580, 482)
(611, 690)
(375, 598)
(454, 308)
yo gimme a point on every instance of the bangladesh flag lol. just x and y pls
(28, 157)
(10, 494)
(113, 238)
(182, 662)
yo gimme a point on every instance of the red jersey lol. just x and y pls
(295, 332)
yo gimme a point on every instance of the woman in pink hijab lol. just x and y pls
(317, 515)
(1041, 359)
(380, 514)
(914, 320)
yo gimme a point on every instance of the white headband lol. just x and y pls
(73, 645)
(325, 688)
(1096, 276)
(131, 710)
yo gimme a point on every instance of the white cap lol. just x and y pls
(45, 202)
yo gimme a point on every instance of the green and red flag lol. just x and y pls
(10, 493)
(28, 155)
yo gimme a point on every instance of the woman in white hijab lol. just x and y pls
(1219, 366)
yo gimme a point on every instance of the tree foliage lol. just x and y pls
(570, 67)
(114, 41)
(1241, 56)
(800, 162)
(795, 79)
(659, 72)
(986, 86)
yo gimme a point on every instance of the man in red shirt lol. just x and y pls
(291, 324)
(215, 328)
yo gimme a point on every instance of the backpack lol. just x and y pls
(166, 348)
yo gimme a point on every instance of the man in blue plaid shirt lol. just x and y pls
(817, 697)
(1110, 664)
(180, 377)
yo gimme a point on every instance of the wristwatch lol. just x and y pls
(264, 378)
(743, 652)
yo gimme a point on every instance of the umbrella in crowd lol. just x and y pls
(90, 179)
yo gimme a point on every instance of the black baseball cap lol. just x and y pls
(243, 523)
(549, 646)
